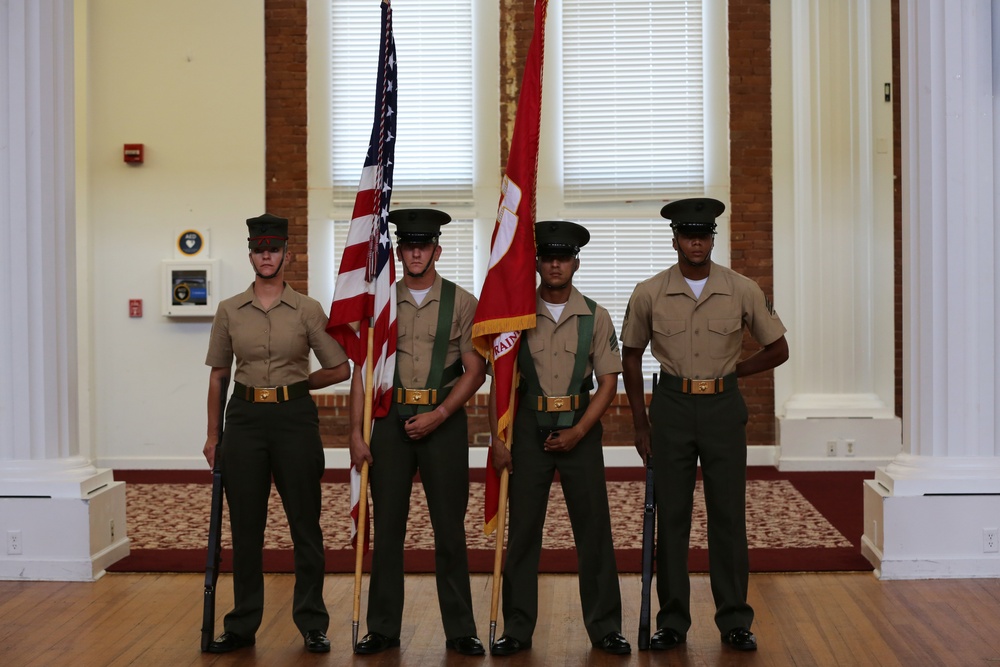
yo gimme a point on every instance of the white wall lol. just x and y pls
(185, 78)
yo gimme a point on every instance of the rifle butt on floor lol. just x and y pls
(648, 548)
(214, 532)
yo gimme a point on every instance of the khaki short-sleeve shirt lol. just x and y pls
(271, 346)
(417, 330)
(553, 345)
(699, 338)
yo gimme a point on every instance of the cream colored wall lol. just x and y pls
(185, 78)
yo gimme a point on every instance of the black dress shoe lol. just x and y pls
(227, 642)
(665, 638)
(507, 645)
(316, 641)
(373, 642)
(466, 645)
(740, 639)
(614, 644)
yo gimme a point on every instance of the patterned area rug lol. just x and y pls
(796, 522)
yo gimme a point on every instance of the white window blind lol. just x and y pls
(632, 100)
(634, 131)
(622, 253)
(434, 148)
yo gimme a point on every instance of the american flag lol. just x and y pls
(365, 290)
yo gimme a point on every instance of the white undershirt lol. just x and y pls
(555, 309)
(420, 294)
(696, 286)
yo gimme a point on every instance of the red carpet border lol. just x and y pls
(806, 521)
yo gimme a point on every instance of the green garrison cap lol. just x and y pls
(267, 230)
(560, 237)
(693, 216)
(418, 225)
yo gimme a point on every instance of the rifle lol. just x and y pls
(648, 547)
(214, 531)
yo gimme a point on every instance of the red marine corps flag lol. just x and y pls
(507, 301)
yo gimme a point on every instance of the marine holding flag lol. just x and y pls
(557, 427)
(426, 430)
(507, 306)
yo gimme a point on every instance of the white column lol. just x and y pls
(833, 235)
(60, 517)
(927, 512)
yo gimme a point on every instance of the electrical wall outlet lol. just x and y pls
(14, 542)
(990, 544)
(849, 447)
(831, 447)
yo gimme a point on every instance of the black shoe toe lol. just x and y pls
(740, 639)
(507, 645)
(665, 638)
(614, 643)
(316, 641)
(228, 641)
(373, 642)
(466, 645)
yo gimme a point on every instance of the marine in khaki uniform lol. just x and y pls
(425, 431)
(694, 314)
(272, 431)
(557, 428)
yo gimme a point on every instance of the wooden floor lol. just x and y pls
(802, 619)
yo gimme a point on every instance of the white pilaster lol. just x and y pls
(60, 517)
(833, 234)
(925, 513)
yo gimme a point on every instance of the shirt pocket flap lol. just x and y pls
(724, 326)
(535, 344)
(669, 327)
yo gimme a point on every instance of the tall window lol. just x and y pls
(633, 117)
(441, 141)
(635, 113)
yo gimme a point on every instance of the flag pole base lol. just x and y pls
(493, 633)
(354, 635)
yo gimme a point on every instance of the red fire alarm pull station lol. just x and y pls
(133, 153)
(135, 307)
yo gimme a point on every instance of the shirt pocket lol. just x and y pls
(725, 337)
(536, 345)
(668, 337)
(453, 333)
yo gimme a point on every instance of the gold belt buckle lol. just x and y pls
(558, 403)
(265, 394)
(705, 386)
(418, 397)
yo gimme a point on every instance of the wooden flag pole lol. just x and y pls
(359, 548)
(502, 516)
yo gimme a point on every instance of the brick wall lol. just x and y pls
(750, 179)
(750, 131)
(287, 118)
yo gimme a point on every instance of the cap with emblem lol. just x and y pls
(418, 225)
(267, 231)
(693, 216)
(560, 237)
